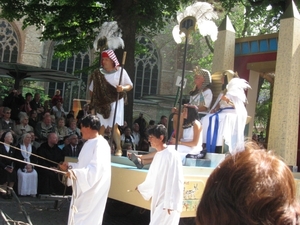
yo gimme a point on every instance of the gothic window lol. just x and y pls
(146, 69)
(71, 90)
(9, 43)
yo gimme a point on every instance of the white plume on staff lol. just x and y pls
(110, 36)
(204, 14)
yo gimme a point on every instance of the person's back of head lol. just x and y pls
(251, 187)
(91, 121)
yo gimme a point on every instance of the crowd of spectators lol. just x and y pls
(36, 133)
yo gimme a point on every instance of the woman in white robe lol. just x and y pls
(190, 138)
(228, 120)
(27, 175)
(190, 133)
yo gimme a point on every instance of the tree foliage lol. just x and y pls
(73, 23)
(254, 17)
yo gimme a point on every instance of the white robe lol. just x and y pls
(27, 182)
(90, 189)
(164, 184)
(203, 98)
(231, 123)
(188, 135)
(113, 79)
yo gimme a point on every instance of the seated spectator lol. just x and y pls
(6, 123)
(128, 138)
(127, 146)
(33, 118)
(8, 175)
(65, 142)
(58, 110)
(47, 108)
(33, 141)
(144, 143)
(107, 133)
(142, 123)
(14, 100)
(123, 127)
(74, 147)
(27, 175)
(164, 121)
(61, 130)
(69, 117)
(136, 135)
(44, 128)
(23, 127)
(26, 106)
(48, 182)
(53, 120)
(83, 113)
(36, 105)
(73, 129)
(56, 98)
(250, 187)
(151, 123)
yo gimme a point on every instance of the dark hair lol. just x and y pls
(192, 115)
(158, 130)
(151, 122)
(163, 116)
(28, 94)
(251, 187)
(91, 121)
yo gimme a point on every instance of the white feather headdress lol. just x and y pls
(109, 37)
(204, 14)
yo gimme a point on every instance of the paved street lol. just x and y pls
(43, 212)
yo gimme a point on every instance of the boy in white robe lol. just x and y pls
(90, 177)
(164, 181)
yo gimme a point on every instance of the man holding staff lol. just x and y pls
(107, 89)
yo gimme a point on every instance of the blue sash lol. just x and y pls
(211, 143)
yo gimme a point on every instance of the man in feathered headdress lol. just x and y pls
(106, 85)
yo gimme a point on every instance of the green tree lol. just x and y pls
(254, 17)
(72, 23)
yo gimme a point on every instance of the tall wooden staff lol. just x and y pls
(187, 25)
(115, 113)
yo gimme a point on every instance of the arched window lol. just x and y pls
(71, 90)
(9, 43)
(146, 69)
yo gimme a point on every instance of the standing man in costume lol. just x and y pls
(106, 86)
(90, 177)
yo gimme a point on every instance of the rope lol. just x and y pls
(31, 153)
(37, 165)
